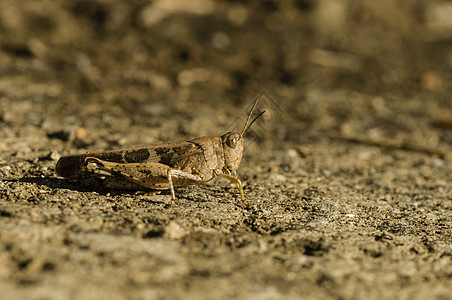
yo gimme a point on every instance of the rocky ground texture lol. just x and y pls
(350, 172)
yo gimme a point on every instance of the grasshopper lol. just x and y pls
(164, 166)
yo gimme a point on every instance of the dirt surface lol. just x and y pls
(334, 218)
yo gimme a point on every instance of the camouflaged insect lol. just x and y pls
(164, 166)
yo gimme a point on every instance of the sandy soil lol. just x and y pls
(334, 218)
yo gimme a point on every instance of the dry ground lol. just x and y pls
(334, 219)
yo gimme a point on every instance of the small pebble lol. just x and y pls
(54, 155)
(318, 222)
(292, 153)
(174, 231)
(303, 151)
(278, 177)
(438, 163)
(80, 133)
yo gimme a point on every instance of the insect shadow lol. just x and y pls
(96, 185)
(79, 185)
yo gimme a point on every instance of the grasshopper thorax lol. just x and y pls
(232, 143)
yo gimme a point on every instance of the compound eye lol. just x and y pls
(232, 140)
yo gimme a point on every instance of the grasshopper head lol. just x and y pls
(232, 149)
(233, 143)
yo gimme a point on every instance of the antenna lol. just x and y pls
(245, 128)
(251, 123)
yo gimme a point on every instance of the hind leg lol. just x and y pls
(150, 175)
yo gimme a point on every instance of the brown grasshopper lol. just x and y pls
(164, 166)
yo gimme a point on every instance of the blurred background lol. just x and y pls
(378, 68)
(333, 219)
